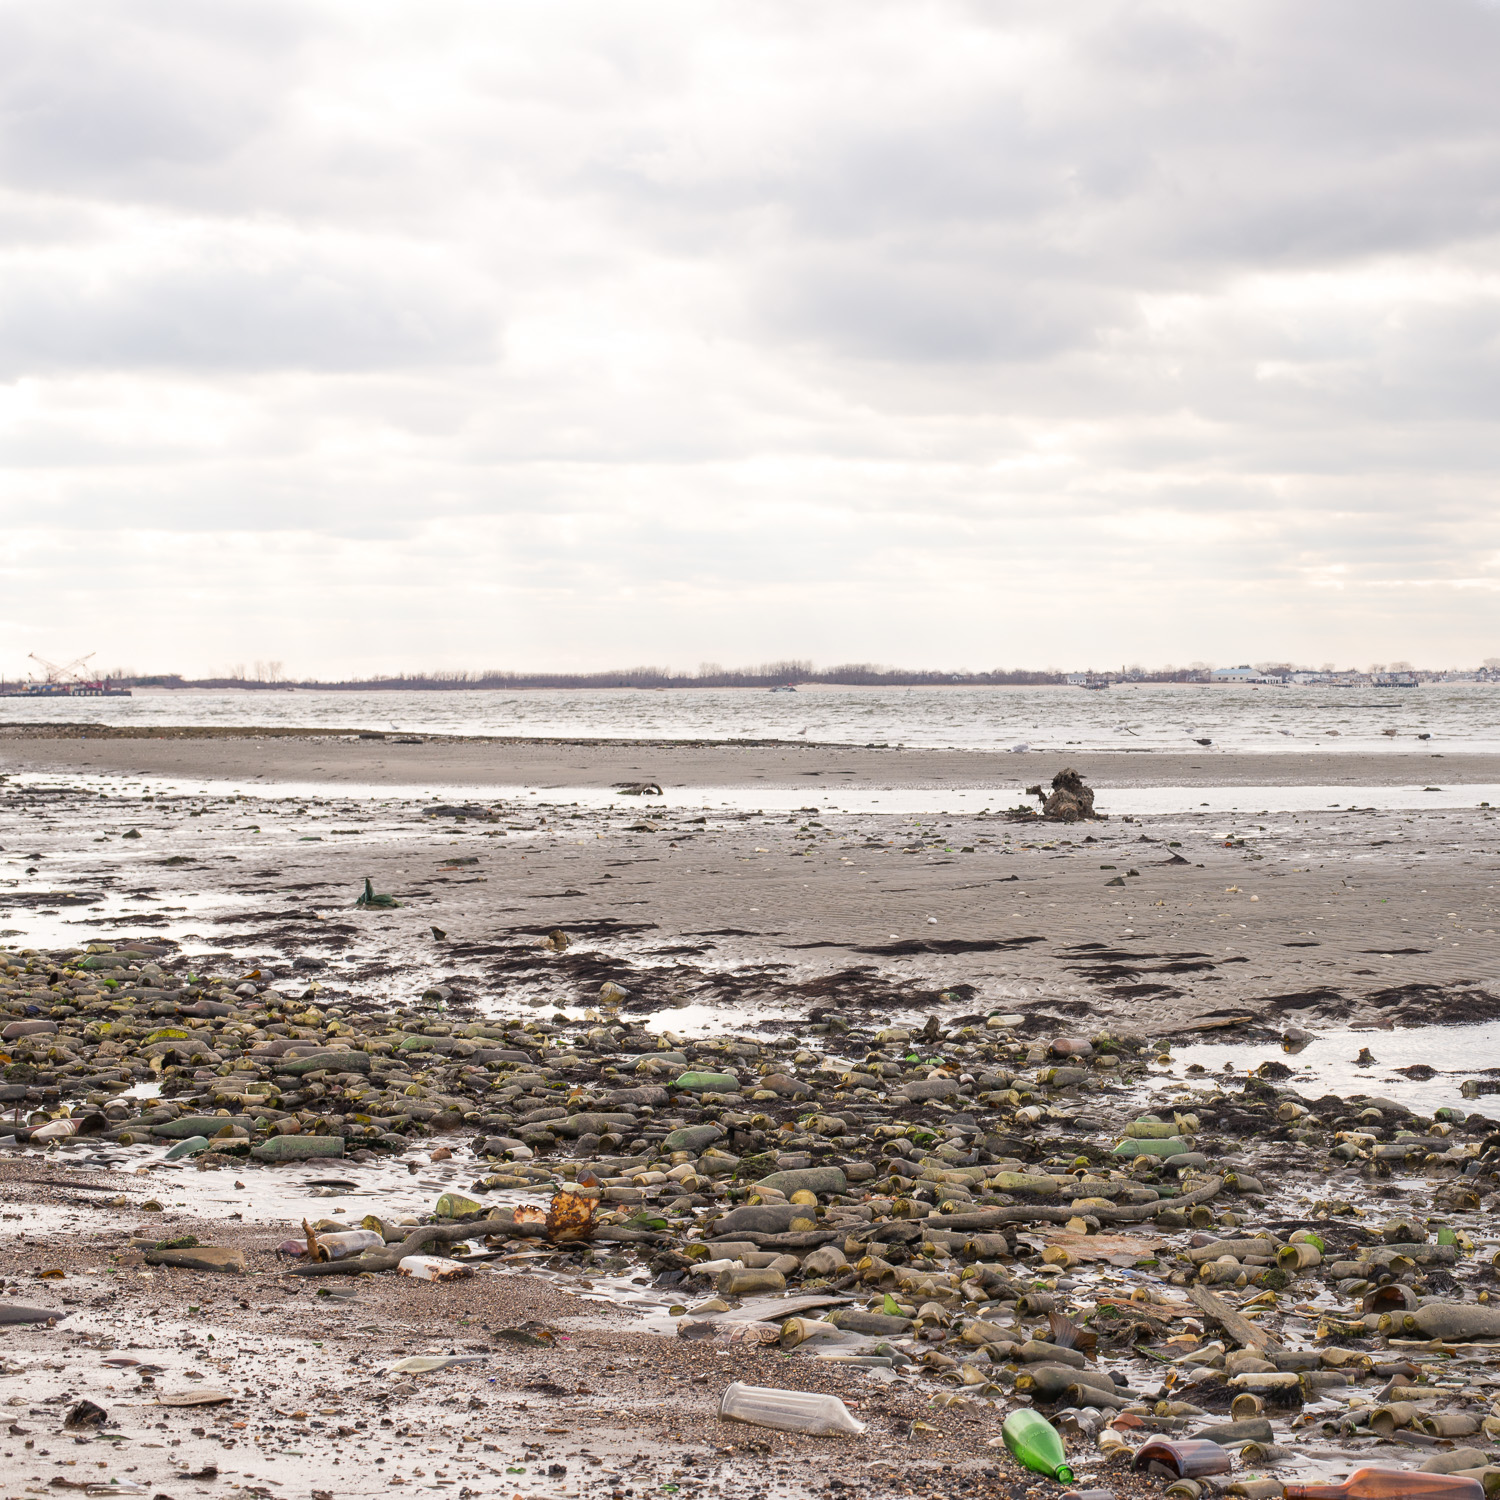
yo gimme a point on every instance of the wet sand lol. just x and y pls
(1155, 923)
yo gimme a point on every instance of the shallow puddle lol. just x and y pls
(1329, 1063)
(1120, 800)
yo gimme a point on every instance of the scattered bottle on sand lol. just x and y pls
(1036, 1444)
(787, 1411)
(1188, 1458)
(1391, 1484)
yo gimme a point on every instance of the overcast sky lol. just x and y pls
(374, 336)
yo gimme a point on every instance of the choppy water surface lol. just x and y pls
(1241, 719)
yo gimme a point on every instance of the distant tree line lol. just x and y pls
(709, 675)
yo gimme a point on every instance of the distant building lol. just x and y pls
(1242, 674)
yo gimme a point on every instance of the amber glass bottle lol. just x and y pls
(1391, 1484)
(1187, 1458)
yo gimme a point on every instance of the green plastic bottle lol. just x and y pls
(1036, 1444)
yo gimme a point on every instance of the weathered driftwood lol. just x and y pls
(1240, 1329)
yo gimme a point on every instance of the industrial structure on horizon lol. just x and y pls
(65, 682)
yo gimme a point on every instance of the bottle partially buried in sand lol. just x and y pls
(432, 1268)
(1187, 1458)
(1391, 1484)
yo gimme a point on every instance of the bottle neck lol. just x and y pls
(1316, 1492)
(1063, 1474)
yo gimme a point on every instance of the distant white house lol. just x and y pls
(1241, 674)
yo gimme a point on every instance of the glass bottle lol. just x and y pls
(1185, 1458)
(1036, 1444)
(1391, 1484)
(789, 1411)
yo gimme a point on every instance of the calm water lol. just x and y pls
(1239, 719)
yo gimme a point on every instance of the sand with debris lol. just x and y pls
(813, 930)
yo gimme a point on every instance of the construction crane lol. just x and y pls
(69, 673)
(64, 682)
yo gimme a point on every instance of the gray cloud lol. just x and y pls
(319, 314)
(1160, 148)
(108, 97)
(895, 308)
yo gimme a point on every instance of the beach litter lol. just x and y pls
(1004, 1223)
(85, 1417)
(370, 898)
(14, 1315)
(1069, 801)
(788, 1411)
(432, 1268)
(1036, 1444)
(428, 1364)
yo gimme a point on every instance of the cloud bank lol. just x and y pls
(377, 337)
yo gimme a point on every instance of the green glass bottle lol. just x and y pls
(1036, 1444)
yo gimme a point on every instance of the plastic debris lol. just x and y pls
(432, 1268)
(426, 1364)
(787, 1411)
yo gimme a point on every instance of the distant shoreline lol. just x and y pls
(685, 685)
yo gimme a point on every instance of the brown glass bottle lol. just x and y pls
(1072, 1046)
(1391, 1484)
(1187, 1458)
